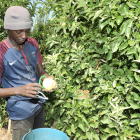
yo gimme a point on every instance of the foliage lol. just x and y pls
(39, 30)
(92, 45)
(3, 7)
(3, 113)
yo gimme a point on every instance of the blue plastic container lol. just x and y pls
(45, 134)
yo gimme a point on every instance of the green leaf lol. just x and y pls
(113, 125)
(136, 115)
(97, 13)
(78, 134)
(68, 131)
(108, 30)
(128, 32)
(110, 130)
(81, 126)
(84, 119)
(114, 83)
(112, 23)
(135, 105)
(136, 96)
(92, 125)
(129, 23)
(59, 102)
(131, 102)
(96, 137)
(131, 5)
(136, 134)
(106, 120)
(80, 138)
(105, 136)
(115, 46)
(102, 40)
(83, 65)
(124, 10)
(131, 51)
(136, 77)
(110, 53)
(119, 19)
(89, 135)
(137, 87)
(72, 128)
(134, 121)
(67, 105)
(62, 111)
(103, 24)
(139, 124)
(123, 27)
(136, 70)
(136, 61)
(104, 112)
(131, 42)
(123, 46)
(128, 29)
(123, 137)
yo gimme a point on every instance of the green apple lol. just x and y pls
(48, 83)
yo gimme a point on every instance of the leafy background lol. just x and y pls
(92, 45)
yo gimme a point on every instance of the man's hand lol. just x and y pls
(41, 72)
(28, 90)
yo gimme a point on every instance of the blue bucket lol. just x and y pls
(45, 134)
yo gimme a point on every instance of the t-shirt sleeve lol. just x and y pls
(1, 68)
(1, 63)
(39, 57)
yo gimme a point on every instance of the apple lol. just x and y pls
(48, 83)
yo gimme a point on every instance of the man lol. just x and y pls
(20, 69)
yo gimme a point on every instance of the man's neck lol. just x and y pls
(14, 45)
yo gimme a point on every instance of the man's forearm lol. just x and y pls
(6, 92)
(41, 71)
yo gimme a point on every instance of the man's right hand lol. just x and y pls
(28, 90)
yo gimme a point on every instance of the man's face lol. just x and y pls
(19, 36)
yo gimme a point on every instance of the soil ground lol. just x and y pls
(4, 135)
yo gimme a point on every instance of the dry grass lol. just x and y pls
(4, 135)
(84, 94)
